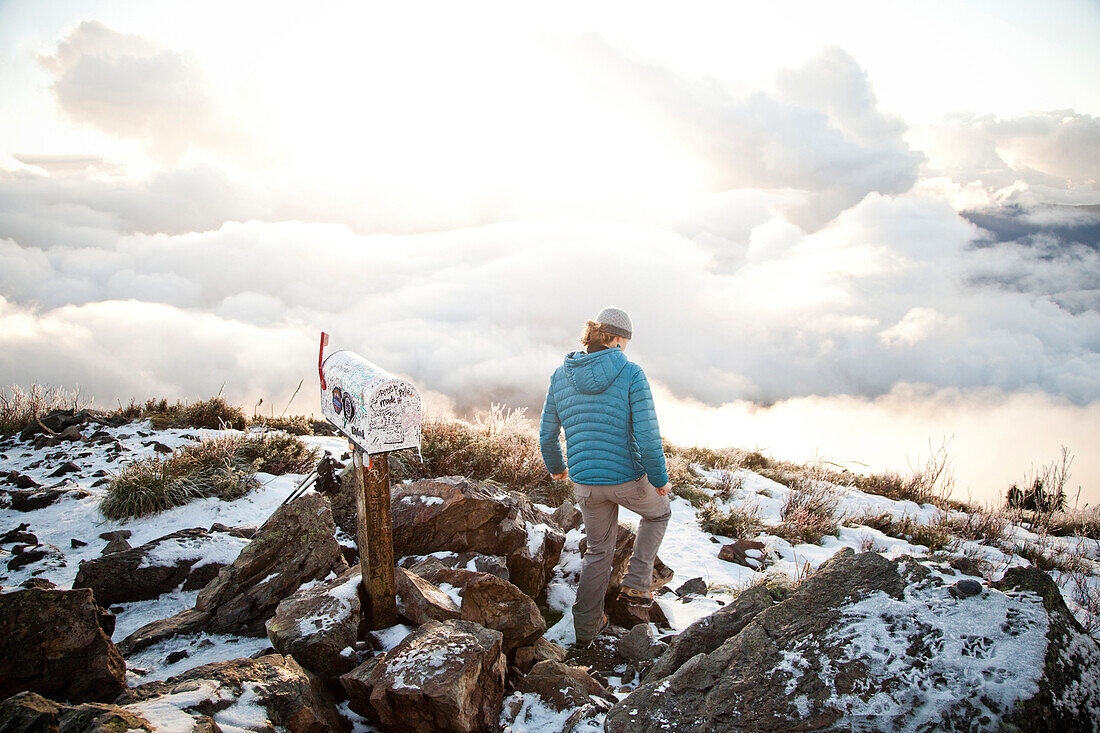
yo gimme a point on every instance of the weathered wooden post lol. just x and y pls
(378, 413)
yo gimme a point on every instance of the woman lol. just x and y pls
(615, 459)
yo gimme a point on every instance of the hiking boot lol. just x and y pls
(588, 642)
(634, 597)
(662, 575)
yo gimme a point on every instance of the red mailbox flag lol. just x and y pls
(321, 359)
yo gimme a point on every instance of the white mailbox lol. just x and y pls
(372, 408)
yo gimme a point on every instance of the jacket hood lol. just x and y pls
(594, 373)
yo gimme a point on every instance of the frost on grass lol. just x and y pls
(916, 658)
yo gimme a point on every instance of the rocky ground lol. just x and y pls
(246, 615)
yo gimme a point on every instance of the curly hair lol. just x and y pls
(594, 334)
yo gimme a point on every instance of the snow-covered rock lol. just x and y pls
(868, 639)
(445, 676)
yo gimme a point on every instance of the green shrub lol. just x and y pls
(736, 523)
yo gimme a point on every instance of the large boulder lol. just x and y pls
(295, 545)
(710, 632)
(318, 625)
(189, 557)
(419, 601)
(491, 602)
(28, 712)
(445, 676)
(270, 693)
(54, 643)
(866, 639)
(456, 514)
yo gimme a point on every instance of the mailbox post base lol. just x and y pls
(375, 539)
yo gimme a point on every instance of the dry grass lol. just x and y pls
(210, 468)
(222, 467)
(1076, 522)
(214, 414)
(1047, 554)
(500, 446)
(981, 525)
(935, 536)
(277, 453)
(1087, 598)
(740, 524)
(19, 406)
(809, 514)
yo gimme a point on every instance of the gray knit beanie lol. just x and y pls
(615, 321)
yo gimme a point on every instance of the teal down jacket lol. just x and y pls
(604, 403)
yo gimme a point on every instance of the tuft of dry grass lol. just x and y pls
(214, 414)
(935, 536)
(277, 453)
(980, 525)
(809, 514)
(210, 468)
(500, 446)
(740, 524)
(222, 467)
(1075, 522)
(1087, 598)
(19, 406)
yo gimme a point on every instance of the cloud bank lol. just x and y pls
(825, 258)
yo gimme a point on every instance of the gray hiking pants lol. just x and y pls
(599, 506)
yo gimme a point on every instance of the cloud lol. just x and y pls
(132, 88)
(821, 132)
(1053, 152)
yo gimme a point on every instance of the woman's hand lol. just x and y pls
(561, 476)
(663, 491)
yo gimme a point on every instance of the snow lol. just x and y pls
(536, 537)
(988, 649)
(534, 716)
(202, 648)
(336, 607)
(218, 548)
(390, 637)
(454, 593)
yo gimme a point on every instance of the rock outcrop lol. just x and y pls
(445, 676)
(226, 693)
(29, 712)
(866, 639)
(54, 643)
(318, 626)
(419, 601)
(710, 632)
(150, 570)
(455, 514)
(295, 545)
(491, 602)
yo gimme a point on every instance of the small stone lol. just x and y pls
(157, 446)
(70, 433)
(118, 534)
(64, 468)
(118, 545)
(695, 587)
(75, 543)
(966, 588)
(176, 656)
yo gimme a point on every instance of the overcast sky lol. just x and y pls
(842, 230)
